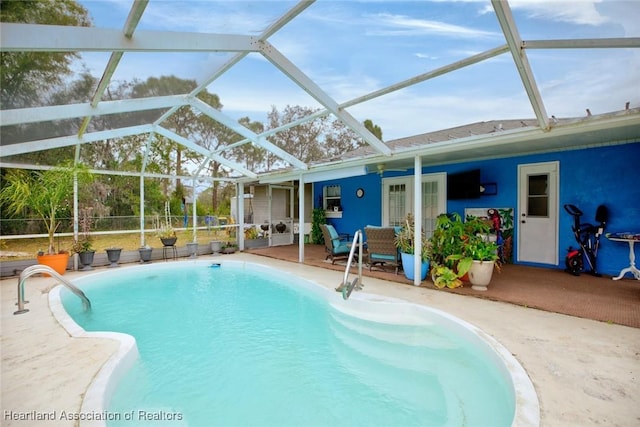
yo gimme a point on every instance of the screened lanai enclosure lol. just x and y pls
(277, 95)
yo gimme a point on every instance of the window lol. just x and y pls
(538, 197)
(397, 200)
(332, 201)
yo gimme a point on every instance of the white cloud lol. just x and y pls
(575, 12)
(402, 25)
(425, 56)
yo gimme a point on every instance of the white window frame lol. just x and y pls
(407, 180)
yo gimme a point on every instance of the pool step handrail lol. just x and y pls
(347, 287)
(39, 268)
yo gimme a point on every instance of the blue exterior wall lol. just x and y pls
(589, 177)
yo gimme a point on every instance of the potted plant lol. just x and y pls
(444, 276)
(254, 238)
(229, 248)
(82, 246)
(85, 251)
(484, 254)
(47, 194)
(192, 249)
(113, 255)
(318, 219)
(474, 254)
(164, 230)
(404, 241)
(447, 244)
(216, 246)
(145, 253)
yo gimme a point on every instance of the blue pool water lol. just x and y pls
(238, 346)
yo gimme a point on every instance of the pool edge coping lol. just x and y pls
(110, 373)
(527, 405)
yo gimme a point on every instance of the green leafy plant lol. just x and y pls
(317, 220)
(44, 193)
(479, 249)
(251, 232)
(456, 244)
(447, 239)
(476, 246)
(443, 277)
(404, 239)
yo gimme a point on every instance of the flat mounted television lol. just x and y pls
(463, 185)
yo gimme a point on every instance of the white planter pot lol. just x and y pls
(480, 274)
(216, 246)
(192, 249)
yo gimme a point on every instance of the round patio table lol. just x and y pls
(631, 239)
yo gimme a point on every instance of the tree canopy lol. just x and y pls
(40, 78)
(27, 76)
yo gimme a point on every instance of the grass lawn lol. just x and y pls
(17, 249)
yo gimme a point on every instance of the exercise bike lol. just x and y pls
(588, 238)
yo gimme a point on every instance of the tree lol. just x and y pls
(213, 136)
(302, 141)
(341, 139)
(27, 76)
(180, 122)
(320, 139)
(251, 154)
(45, 193)
(373, 128)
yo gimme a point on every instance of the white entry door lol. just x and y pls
(538, 213)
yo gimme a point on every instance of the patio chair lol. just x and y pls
(381, 247)
(337, 247)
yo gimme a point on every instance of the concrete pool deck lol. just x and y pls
(585, 372)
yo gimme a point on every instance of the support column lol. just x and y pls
(240, 210)
(75, 217)
(417, 209)
(142, 242)
(301, 198)
(195, 218)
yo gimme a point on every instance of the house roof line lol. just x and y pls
(513, 133)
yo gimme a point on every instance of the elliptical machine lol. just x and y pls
(588, 237)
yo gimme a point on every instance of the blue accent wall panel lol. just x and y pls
(607, 175)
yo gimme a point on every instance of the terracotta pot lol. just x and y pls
(58, 262)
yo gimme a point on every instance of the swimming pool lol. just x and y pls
(244, 344)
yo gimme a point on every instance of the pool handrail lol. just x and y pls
(39, 268)
(347, 287)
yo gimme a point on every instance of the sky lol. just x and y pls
(352, 48)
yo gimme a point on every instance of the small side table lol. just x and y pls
(630, 238)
